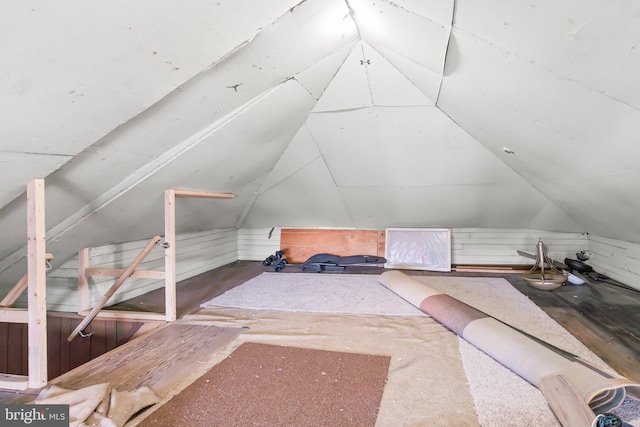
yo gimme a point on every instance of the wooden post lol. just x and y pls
(170, 254)
(83, 282)
(37, 284)
(170, 241)
(112, 290)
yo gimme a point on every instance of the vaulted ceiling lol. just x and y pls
(320, 113)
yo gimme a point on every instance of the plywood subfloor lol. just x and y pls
(165, 360)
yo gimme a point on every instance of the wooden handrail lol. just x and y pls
(112, 290)
(202, 194)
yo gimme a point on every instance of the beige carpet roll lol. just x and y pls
(527, 356)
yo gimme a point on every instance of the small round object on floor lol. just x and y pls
(550, 281)
(575, 280)
(609, 419)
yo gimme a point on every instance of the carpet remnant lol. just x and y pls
(434, 376)
(270, 385)
(532, 359)
(315, 293)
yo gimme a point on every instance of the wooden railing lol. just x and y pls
(169, 274)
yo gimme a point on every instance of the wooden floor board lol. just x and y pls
(163, 359)
(603, 316)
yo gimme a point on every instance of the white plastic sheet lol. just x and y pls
(418, 248)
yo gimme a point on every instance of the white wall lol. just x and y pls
(617, 259)
(255, 244)
(196, 253)
(487, 246)
(203, 251)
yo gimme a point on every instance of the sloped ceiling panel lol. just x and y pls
(406, 148)
(593, 43)
(316, 77)
(388, 86)
(412, 35)
(406, 28)
(232, 159)
(349, 88)
(580, 140)
(411, 110)
(161, 136)
(72, 74)
(426, 80)
(442, 205)
(300, 152)
(309, 196)
(419, 153)
(402, 146)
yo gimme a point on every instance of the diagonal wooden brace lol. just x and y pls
(19, 288)
(112, 290)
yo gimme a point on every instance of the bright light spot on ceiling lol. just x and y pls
(336, 21)
(369, 18)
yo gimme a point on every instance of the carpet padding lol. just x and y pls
(270, 385)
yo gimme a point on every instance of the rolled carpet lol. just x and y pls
(530, 358)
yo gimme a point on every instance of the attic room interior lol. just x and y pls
(452, 183)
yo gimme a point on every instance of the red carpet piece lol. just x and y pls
(269, 385)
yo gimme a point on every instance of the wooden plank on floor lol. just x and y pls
(622, 359)
(605, 318)
(163, 359)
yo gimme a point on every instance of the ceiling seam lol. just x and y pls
(365, 64)
(333, 76)
(510, 167)
(548, 70)
(446, 50)
(262, 188)
(352, 14)
(333, 179)
(412, 12)
(401, 73)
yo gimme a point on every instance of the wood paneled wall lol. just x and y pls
(62, 356)
(255, 244)
(617, 259)
(480, 246)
